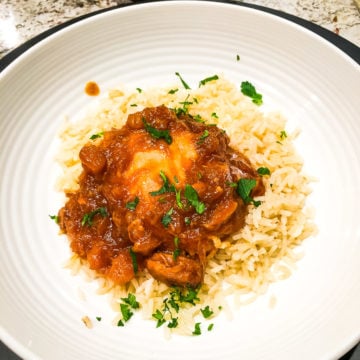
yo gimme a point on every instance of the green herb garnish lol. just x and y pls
(237, 57)
(214, 115)
(186, 86)
(187, 220)
(167, 187)
(176, 252)
(197, 330)
(173, 91)
(178, 198)
(126, 312)
(203, 136)
(184, 110)
(263, 171)
(98, 318)
(249, 90)
(193, 198)
(88, 218)
(96, 136)
(210, 327)
(283, 134)
(131, 205)
(208, 79)
(55, 218)
(131, 300)
(139, 90)
(207, 312)
(120, 323)
(166, 219)
(134, 260)
(244, 187)
(157, 134)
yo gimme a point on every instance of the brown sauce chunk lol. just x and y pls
(156, 198)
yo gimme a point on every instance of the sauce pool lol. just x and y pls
(92, 88)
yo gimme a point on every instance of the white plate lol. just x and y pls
(311, 81)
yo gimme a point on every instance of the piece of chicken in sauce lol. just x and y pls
(152, 194)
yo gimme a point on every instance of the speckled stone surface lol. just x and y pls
(21, 20)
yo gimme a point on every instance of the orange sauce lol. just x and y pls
(92, 88)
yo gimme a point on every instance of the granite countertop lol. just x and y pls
(21, 20)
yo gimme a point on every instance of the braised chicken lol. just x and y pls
(153, 193)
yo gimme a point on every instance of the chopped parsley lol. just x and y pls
(263, 171)
(283, 134)
(98, 318)
(126, 312)
(131, 300)
(171, 306)
(88, 218)
(134, 260)
(167, 187)
(243, 189)
(166, 219)
(131, 205)
(197, 329)
(178, 198)
(198, 118)
(203, 136)
(157, 134)
(193, 198)
(176, 252)
(55, 218)
(185, 85)
(187, 220)
(249, 90)
(133, 105)
(208, 79)
(97, 135)
(173, 91)
(210, 327)
(214, 115)
(184, 110)
(207, 312)
(237, 57)
(125, 308)
(139, 90)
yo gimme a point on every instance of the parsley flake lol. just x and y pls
(126, 312)
(166, 219)
(207, 312)
(131, 205)
(249, 90)
(176, 252)
(208, 79)
(131, 300)
(214, 115)
(134, 260)
(203, 136)
(173, 91)
(55, 218)
(210, 327)
(193, 198)
(139, 90)
(120, 323)
(244, 187)
(167, 187)
(197, 329)
(88, 218)
(283, 134)
(263, 171)
(185, 85)
(157, 134)
(97, 135)
(98, 318)
(237, 57)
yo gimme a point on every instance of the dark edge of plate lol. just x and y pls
(346, 46)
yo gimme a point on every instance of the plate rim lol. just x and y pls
(348, 48)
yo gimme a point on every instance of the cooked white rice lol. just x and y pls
(264, 251)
